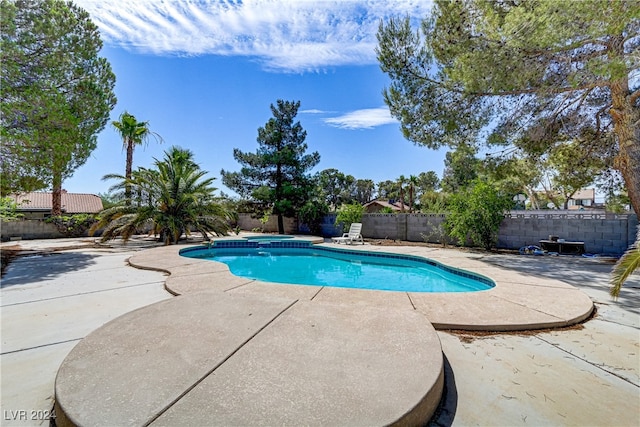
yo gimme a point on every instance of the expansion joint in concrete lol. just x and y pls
(40, 346)
(79, 294)
(212, 370)
(595, 365)
(410, 300)
(316, 294)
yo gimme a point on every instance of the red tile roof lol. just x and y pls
(72, 203)
(394, 206)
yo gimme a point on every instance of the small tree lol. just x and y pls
(132, 133)
(312, 214)
(335, 187)
(460, 168)
(434, 202)
(364, 190)
(476, 214)
(349, 214)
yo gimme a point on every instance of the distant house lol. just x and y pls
(38, 205)
(583, 199)
(376, 206)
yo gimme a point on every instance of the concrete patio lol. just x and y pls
(587, 375)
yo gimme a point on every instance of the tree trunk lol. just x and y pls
(56, 195)
(127, 173)
(626, 126)
(280, 224)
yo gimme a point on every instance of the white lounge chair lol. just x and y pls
(352, 236)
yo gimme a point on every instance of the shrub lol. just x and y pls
(73, 225)
(476, 214)
(312, 214)
(348, 214)
(438, 234)
(8, 209)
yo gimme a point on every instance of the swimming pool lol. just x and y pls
(305, 264)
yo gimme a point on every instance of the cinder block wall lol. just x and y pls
(602, 234)
(28, 229)
(246, 222)
(611, 235)
(329, 227)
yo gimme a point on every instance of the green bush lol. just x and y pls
(312, 214)
(73, 225)
(476, 213)
(8, 209)
(348, 214)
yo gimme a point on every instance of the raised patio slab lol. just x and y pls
(210, 358)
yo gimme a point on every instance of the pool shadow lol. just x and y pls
(446, 411)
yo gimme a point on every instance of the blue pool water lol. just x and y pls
(342, 268)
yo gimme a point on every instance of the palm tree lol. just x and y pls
(626, 265)
(413, 182)
(133, 133)
(401, 182)
(175, 198)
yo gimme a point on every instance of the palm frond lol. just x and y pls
(626, 265)
(174, 198)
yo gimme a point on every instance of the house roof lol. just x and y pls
(585, 194)
(72, 203)
(393, 206)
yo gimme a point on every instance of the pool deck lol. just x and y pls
(254, 376)
(517, 302)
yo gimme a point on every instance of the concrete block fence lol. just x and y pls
(28, 229)
(248, 223)
(601, 233)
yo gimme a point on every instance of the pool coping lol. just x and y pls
(518, 301)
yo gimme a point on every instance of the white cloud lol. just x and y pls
(286, 35)
(314, 111)
(367, 118)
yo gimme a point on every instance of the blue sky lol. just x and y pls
(204, 73)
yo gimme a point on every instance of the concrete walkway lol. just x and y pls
(49, 303)
(580, 376)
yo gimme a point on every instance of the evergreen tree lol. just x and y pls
(509, 66)
(56, 93)
(276, 174)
